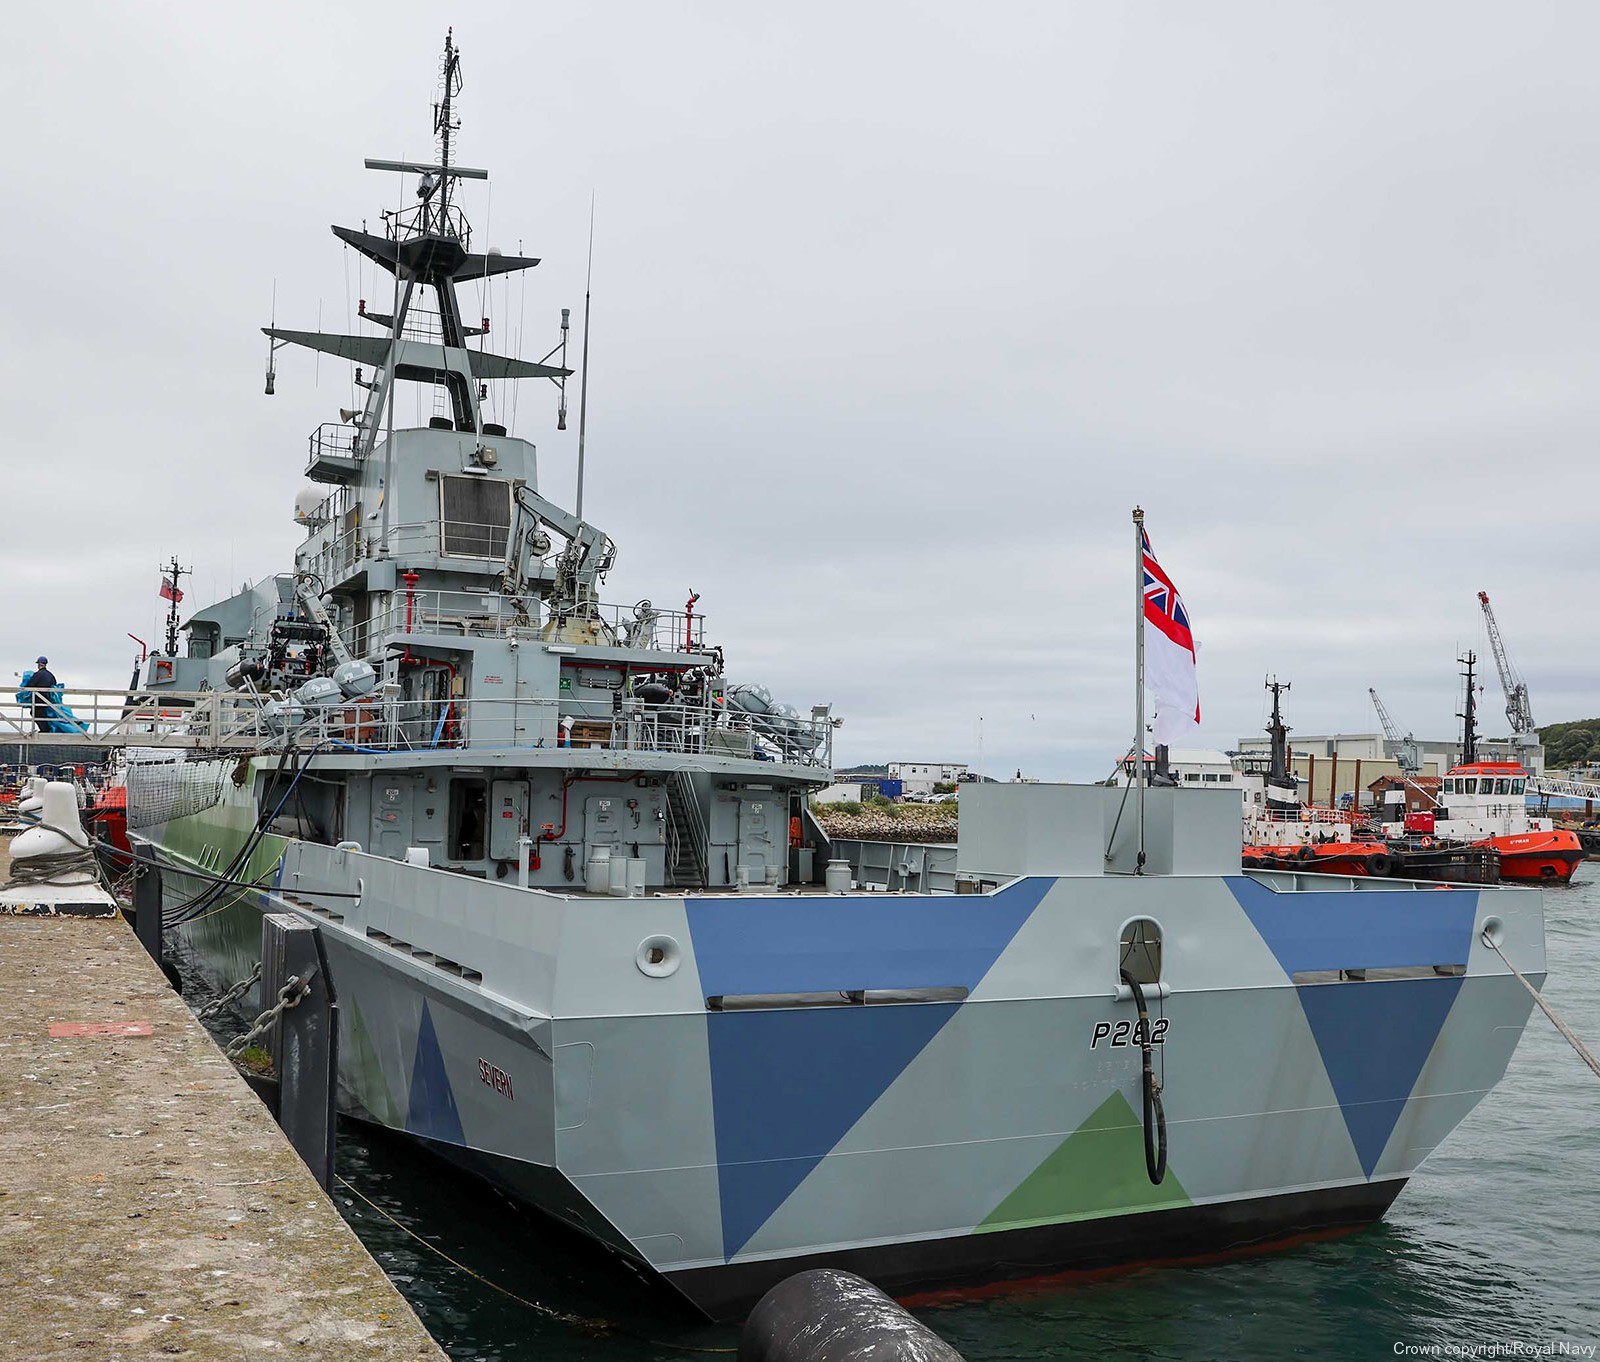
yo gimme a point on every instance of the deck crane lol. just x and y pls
(1407, 750)
(1519, 712)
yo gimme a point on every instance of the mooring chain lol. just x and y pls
(293, 990)
(237, 991)
(1567, 1032)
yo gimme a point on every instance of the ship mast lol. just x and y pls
(427, 247)
(1279, 732)
(171, 574)
(1469, 717)
(444, 124)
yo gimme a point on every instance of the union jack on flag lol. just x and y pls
(1170, 664)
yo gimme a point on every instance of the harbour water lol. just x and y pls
(1496, 1241)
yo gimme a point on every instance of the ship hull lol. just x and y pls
(988, 1130)
(1547, 857)
(965, 1264)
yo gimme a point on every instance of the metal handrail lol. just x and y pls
(236, 720)
(689, 801)
(388, 724)
(1306, 814)
(120, 718)
(490, 614)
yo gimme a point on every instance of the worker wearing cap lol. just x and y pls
(41, 681)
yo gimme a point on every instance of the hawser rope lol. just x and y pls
(592, 1325)
(1561, 1026)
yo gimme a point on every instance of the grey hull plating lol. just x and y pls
(922, 1144)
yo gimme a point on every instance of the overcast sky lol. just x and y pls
(898, 310)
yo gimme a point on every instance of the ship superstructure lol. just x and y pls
(442, 611)
(574, 907)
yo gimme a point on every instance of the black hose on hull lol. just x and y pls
(1155, 1118)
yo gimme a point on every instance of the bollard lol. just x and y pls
(825, 1315)
(147, 899)
(305, 1042)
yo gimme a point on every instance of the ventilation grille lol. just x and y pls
(474, 516)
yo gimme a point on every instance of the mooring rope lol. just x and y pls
(593, 1325)
(69, 868)
(1561, 1026)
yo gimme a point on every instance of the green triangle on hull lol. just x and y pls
(1097, 1170)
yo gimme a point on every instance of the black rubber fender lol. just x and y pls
(825, 1315)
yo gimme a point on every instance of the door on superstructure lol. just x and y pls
(508, 817)
(758, 840)
(391, 816)
(602, 824)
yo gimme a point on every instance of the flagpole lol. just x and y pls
(1138, 683)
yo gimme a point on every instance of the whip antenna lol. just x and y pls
(583, 388)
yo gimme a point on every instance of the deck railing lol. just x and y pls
(385, 724)
(489, 614)
(119, 718)
(236, 720)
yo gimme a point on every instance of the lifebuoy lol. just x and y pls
(1424, 842)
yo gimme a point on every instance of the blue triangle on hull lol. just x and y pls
(432, 1109)
(1374, 1038)
(790, 1083)
(1313, 929)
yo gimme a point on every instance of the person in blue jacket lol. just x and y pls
(40, 682)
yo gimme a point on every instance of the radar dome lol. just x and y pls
(306, 501)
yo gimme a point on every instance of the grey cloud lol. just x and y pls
(898, 311)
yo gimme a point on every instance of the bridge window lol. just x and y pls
(1140, 953)
(1518, 786)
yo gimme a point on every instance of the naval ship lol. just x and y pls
(587, 943)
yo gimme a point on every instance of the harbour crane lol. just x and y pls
(1519, 711)
(1407, 750)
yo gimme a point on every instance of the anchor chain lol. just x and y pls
(293, 990)
(237, 991)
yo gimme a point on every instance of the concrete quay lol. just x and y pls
(149, 1205)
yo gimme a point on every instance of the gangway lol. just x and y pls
(204, 720)
(1560, 788)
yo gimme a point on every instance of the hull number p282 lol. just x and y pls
(1128, 1032)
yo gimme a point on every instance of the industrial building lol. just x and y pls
(919, 777)
(1337, 764)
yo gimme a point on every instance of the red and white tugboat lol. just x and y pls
(1281, 832)
(1485, 803)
